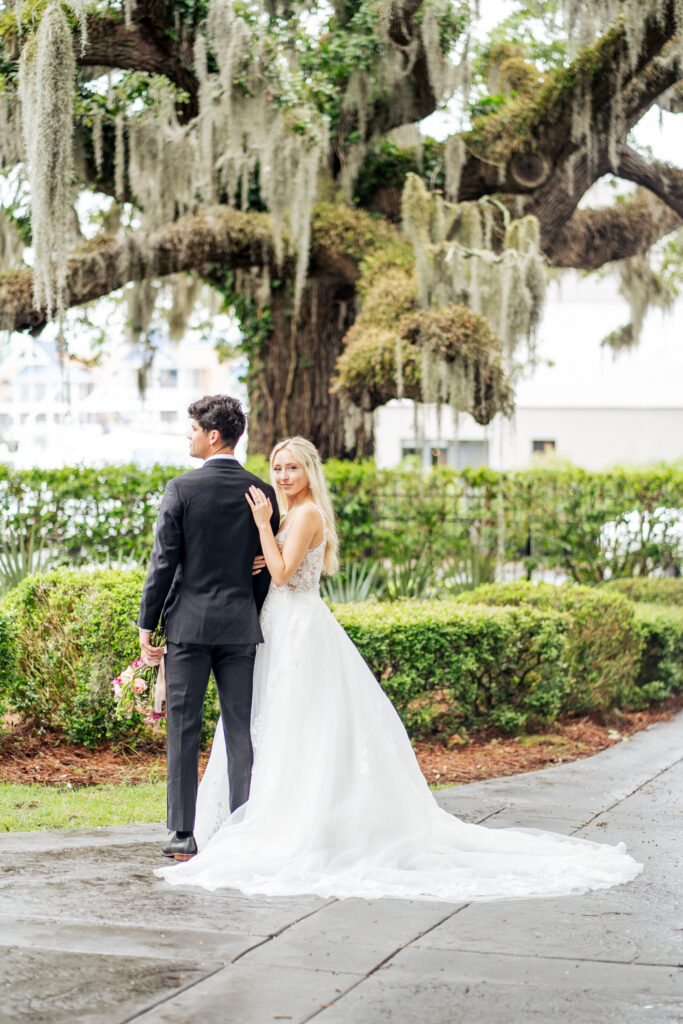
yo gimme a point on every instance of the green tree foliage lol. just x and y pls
(183, 112)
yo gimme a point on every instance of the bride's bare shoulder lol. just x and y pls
(308, 513)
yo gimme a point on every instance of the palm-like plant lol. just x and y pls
(355, 583)
(21, 554)
(410, 578)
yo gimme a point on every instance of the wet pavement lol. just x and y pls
(89, 935)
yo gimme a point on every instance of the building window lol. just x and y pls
(542, 447)
(438, 455)
(410, 449)
(168, 378)
(473, 454)
(169, 416)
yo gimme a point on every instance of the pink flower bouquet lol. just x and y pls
(134, 691)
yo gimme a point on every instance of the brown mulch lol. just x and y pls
(491, 755)
(27, 758)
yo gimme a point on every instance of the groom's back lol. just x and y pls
(206, 532)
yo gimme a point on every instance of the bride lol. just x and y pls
(338, 805)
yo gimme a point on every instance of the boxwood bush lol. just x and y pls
(604, 641)
(661, 666)
(8, 657)
(445, 666)
(76, 630)
(510, 656)
(664, 590)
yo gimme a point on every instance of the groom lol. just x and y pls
(200, 585)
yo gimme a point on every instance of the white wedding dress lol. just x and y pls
(338, 804)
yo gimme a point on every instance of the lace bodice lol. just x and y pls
(306, 579)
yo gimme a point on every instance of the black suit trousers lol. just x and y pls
(188, 668)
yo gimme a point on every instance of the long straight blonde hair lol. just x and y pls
(306, 454)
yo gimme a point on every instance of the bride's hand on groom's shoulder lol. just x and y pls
(260, 506)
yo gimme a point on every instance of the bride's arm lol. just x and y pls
(283, 564)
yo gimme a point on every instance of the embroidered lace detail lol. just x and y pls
(306, 579)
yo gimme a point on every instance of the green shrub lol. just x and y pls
(448, 667)
(76, 630)
(71, 632)
(8, 657)
(604, 641)
(661, 667)
(588, 525)
(664, 590)
(85, 514)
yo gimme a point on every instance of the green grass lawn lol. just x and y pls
(31, 808)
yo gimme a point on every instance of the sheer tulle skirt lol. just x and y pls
(338, 805)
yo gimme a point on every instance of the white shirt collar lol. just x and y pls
(220, 456)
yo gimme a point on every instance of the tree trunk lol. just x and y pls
(289, 378)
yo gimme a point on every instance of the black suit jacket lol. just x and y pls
(200, 583)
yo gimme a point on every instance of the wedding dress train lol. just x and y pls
(338, 805)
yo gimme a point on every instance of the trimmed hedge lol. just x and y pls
(667, 590)
(76, 630)
(591, 526)
(9, 653)
(507, 655)
(604, 641)
(72, 632)
(661, 666)
(447, 667)
(443, 665)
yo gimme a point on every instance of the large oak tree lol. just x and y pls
(263, 146)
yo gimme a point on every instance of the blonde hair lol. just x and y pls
(306, 454)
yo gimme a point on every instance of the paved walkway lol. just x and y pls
(89, 935)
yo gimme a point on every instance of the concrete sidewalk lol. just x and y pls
(88, 934)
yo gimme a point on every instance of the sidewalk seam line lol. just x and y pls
(169, 998)
(382, 963)
(628, 796)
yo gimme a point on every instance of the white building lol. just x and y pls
(54, 415)
(595, 438)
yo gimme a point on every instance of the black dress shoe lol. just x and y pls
(180, 849)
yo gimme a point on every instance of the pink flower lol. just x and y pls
(138, 663)
(116, 682)
(139, 686)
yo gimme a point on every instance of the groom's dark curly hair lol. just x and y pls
(221, 413)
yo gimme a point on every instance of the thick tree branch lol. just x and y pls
(664, 180)
(591, 238)
(217, 235)
(143, 47)
(529, 142)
